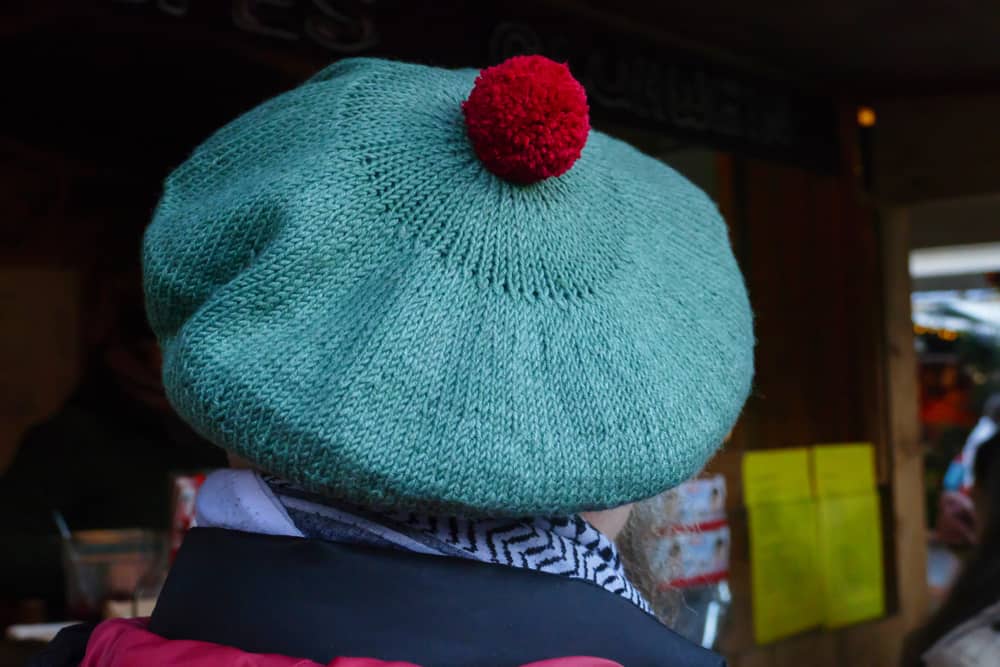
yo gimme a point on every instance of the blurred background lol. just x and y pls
(852, 148)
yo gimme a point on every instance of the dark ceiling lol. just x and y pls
(124, 80)
(874, 46)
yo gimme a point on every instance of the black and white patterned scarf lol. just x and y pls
(566, 546)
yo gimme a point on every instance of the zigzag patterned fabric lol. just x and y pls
(567, 546)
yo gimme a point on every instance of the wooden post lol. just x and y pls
(903, 420)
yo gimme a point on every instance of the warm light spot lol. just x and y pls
(943, 334)
(866, 116)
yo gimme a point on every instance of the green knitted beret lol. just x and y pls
(385, 290)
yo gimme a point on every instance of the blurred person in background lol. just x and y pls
(956, 523)
(103, 460)
(965, 630)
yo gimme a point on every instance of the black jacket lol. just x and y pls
(319, 600)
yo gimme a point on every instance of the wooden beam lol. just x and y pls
(929, 148)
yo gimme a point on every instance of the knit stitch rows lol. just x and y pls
(347, 297)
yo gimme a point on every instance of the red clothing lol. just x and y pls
(127, 643)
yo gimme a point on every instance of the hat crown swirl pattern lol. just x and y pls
(374, 286)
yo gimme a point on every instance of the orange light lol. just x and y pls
(866, 116)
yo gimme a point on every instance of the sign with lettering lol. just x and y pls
(676, 93)
(629, 80)
(344, 27)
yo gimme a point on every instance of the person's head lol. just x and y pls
(412, 288)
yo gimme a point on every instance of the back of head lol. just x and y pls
(398, 287)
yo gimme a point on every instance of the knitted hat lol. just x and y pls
(409, 287)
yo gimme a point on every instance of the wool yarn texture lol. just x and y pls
(348, 297)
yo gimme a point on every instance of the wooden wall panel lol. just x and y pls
(811, 260)
(39, 348)
(816, 649)
(832, 366)
(762, 657)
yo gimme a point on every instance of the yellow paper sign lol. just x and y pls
(784, 569)
(850, 540)
(815, 538)
(776, 475)
(843, 470)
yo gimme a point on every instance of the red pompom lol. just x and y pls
(527, 118)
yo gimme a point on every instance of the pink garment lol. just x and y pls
(127, 643)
